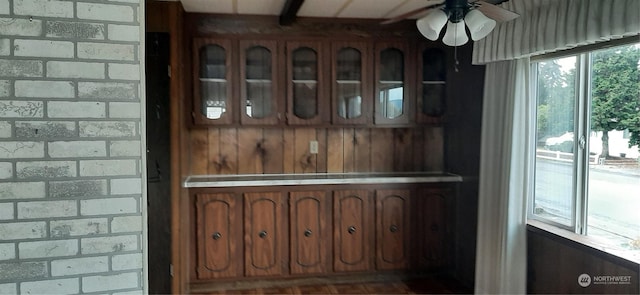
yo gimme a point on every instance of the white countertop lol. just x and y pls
(317, 179)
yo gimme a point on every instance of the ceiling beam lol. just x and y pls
(289, 12)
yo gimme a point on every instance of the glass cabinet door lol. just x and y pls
(305, 83)
(351, 98)
(212, 89)
(432, 88)
(391, 105)
(259, 69)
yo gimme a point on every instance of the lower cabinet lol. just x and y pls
(352, 230)
(284, 232)
(310, 234)
(264, 237)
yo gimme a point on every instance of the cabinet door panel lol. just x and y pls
(351, 76)
(263, 234)
(212, 76)
(353, 230)
(309, 235)
(393, 83)
(260, 78)
(431, 224)
(306, 83)
(392, 228)
(218, 236)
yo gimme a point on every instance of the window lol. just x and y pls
(587, 167)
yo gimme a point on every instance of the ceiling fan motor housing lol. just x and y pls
(456, 9)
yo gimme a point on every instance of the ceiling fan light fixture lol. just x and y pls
(431, 25)
(479, 25)
(455, 34)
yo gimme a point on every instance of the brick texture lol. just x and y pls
(70, 147)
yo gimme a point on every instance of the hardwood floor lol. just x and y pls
(415, 286)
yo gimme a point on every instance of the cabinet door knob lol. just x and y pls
(216, 236)
(307, 233)
(262, 234)
(351, 229)
(393, 228)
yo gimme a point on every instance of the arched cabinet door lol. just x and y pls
(310, 234)
(306, 88)
(393, 88)
(351, 76)
(434, 241)
(260, 78)
(218, 232)
(264, 237)
(392, 229)
(432, 84)
(353, 230)
(212, 89)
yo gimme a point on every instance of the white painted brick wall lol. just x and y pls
(53, 248)
(47, 209)
(41, 48)
(108, 206)
(79, 266)
(127, 186)
(6, 211)
(50, 8)
(96, 11)
(45, 89)
(70, 147)
(126, 261)
(22, 230)
(77, 149)
(61, 286)
(126, 224)
(46, 169)
(21, 109)
(103, 283)
(76, 109)
(102, 51)
(125, 148)
(22, 190)
(7, 251)
(124, 110)
(20, 27)
(66, 69)
(124, 71)
(78, 227)
(109, 244)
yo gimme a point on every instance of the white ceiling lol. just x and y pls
(311, 8)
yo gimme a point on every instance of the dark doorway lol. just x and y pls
(158, 162)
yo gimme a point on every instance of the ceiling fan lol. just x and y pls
(479, 16)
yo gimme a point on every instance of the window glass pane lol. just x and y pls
(213, 83)
(391, 84)
(433, 82)
(614, 173)
(258, 82)
(305, 82)
(349, 83)
(555, 163)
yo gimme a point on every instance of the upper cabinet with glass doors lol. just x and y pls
(432, 82)
(305, 83)
(393, 88)
(351, 77)
(260, 96)
(213, 102)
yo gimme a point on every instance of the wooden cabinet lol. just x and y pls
(306, 83)
(351, 77)
(353, 230)
(264, 236)
(432, 84)
(218, 230)
(392, 229)
(393, 88)
(431, 224)
(213, 98)
(310, 232)
(261, 99)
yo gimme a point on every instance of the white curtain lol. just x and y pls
(501, 254)
(551, 25)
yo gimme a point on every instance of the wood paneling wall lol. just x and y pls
(250, 150)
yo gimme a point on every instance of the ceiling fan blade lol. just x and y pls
(421, 10)
(495, 12)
